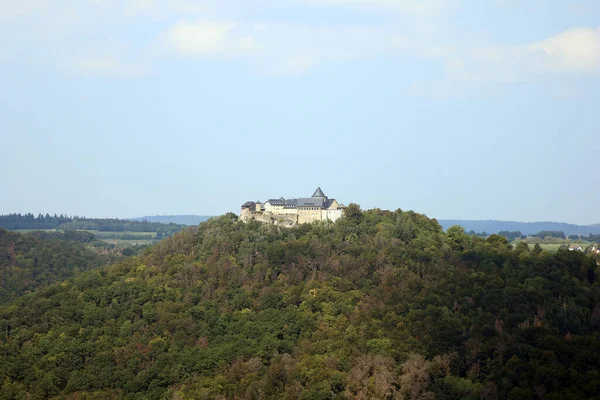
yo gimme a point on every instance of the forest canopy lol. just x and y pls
(38, 259)
(380, 305)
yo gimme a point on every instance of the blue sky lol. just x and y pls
(457, 109)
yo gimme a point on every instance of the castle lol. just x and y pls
(290, 212)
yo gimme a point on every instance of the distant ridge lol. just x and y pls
(526, 228)
(175, 219)
(488, 226)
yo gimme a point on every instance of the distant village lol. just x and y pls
(290, 212)
(579, 247)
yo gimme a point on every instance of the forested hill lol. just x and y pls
(380, 305)
(28, 262)
(527, 228)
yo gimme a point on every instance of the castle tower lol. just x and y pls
(319, 194)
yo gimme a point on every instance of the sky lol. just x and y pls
(458, 109)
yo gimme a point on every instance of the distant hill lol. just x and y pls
(175, 219)
(63, 222)
(527, 228)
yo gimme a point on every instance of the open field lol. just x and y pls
(102, 234)
(127, 243)
(555, 246)
(110, 237)
(550, 247)
(34, 230)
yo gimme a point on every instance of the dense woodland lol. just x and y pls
(380, 305)
(28, 262)
(61, 222)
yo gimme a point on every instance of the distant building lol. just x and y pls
(294, 211)
(575, 247)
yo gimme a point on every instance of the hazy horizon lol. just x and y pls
(455, 109)
(237, 212)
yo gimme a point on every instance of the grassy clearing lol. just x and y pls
(109, 237)
(555, 246)
(127, 243)
(98, 234)
(34, 230)
(102, 234)
(550, 247)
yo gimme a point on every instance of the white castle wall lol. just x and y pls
(332, 215)
(270, 218)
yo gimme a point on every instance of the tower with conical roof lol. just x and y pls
(319, 193)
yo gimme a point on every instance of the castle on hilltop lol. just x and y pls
(289, 212)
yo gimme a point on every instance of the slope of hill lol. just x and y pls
(380, 305)
(527, 228)
(189, 220)
(28, 262)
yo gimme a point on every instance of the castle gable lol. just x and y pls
(332, 204)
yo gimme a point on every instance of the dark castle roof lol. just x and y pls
(291, 203)
(318, 199)
(311, 202)
(318, 193)
(276, 202)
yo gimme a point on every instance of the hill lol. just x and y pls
(380, 305)
(189, 220)
(527, 228)
(29, 262)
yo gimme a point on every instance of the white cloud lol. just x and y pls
(247, 43)
(294, 64)
(206, 38)
(301, 62)
(10, 9)
(133, 7)
(51, 31)
(414, 7)
(577, 49)
(482, 69)
(280, 48)
(96, 64)
(107, 65)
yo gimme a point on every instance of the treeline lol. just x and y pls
(552, 234)
(379, 305)
(28, 262)
(62, 222)
(512, 235)
(590, 238)
(30, 221)
(75, 236)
